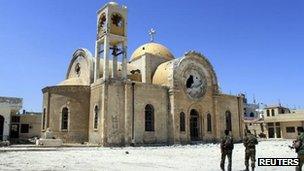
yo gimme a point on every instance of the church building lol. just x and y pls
(153, 98)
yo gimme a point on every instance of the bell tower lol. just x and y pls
(111, 41)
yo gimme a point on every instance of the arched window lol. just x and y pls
(268, 113)
(209, 125)
(149, 118)
(182, 122)
(228, 120)
(251, 114)
(272, 112)
(43, 118)
(64, 118)
(102, 20)
(117, 20)
(78, 69)
(95, 117)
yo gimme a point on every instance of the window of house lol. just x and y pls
(25, 128)
(209, 124)
(149, 118)
(272, 112)
(95, 117)
(182, 121)
(299, 129)
(16, 119)
(268, 112)
(290, 129)
(64, 118)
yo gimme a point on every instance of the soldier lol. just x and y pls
(250, 141)
(298, 145)
(226, 150)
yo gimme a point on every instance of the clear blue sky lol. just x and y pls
(256, 46)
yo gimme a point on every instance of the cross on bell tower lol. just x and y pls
(111, 36)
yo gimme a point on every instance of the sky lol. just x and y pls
(255, 46)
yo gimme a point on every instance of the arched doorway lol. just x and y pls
(194, 125)
(1, 127)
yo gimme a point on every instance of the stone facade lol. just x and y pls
(76, 99)
(153, 99)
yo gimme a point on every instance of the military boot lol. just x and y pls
(247, 168)
(252, 168)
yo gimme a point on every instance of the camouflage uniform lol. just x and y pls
(300, 152)
(226, 151)
(249, 142)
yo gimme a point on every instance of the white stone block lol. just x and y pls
(49, 142)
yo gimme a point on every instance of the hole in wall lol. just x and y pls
(189, 81)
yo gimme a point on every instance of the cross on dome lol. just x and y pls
(152, 32)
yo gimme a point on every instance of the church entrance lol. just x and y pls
(1, 127)
(194, 125)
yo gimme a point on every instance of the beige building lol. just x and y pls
(25, 126)
(282, 122)
(152, 98)
(8, 107)
(15, 126)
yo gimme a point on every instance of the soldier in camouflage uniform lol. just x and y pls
(250, 141)
(226, 150)
(300, 148)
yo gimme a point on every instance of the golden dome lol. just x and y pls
(163, 74)
(154, 49)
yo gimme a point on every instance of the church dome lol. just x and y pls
(154, 49)
(73, 81)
